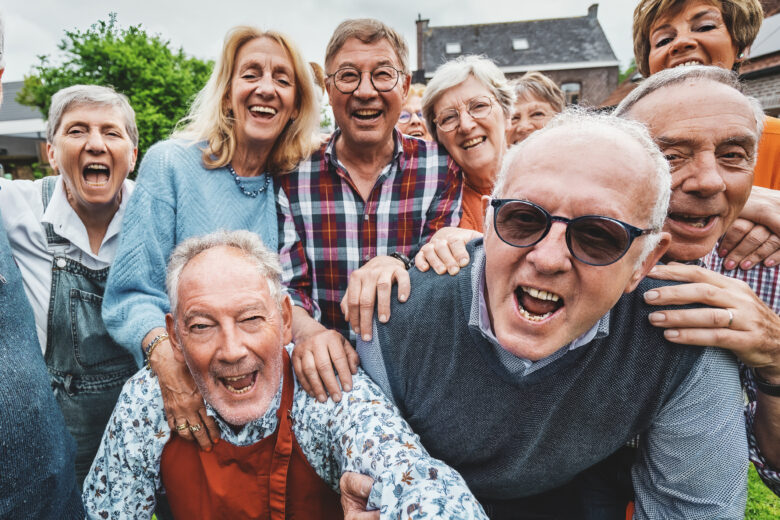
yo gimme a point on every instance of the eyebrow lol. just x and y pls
(696, 17)
(354, 66)
(746, 141)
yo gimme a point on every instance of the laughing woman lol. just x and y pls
(64, 233)
(253, 119)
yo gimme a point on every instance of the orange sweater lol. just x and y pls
(767, 170)
(473, 213)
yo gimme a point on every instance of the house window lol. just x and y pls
(572, 92)
(453, 48)
(519, 44)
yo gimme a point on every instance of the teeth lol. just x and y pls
(367, 112)
(541, 295)
(687, 63)
(101, 167)
(264, 110)
(473, 142)
(237, 391)
(532, 317)
(233, 379)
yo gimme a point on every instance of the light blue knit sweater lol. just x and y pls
(175, 198)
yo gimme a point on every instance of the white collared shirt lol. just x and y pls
(23, 216)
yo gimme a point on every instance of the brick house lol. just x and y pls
(574, 52)
(22, 134)
(761, 71)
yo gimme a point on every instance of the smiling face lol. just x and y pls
(230, 332)
(696, 34)
(477, 145)
(416, 125)
(530, 115)
(570, 174)
(93, 153)
(262, 94)
(366, 117)
(710, 142)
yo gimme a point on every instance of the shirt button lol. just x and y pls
(367, 258)
(365, 217)
(61, 263)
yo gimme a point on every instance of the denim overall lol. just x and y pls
(86, 366)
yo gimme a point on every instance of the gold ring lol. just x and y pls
(194, 428)
(731, 318)
(181, 427)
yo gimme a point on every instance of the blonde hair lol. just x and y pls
(539, 86)
(209, 117)
(742, 18)
(416, 90)
(367, 30)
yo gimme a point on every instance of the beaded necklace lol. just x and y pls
(248, 193)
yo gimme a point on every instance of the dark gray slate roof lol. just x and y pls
(768, 39)
(13, 111)
(557, 40)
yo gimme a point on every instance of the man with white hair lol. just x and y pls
(542, 363)
(281, 453)
(711, 142)
(37, 452)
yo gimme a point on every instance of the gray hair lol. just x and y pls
(455, 72)
(678, 75)
(89, 95)
(582, 122)
(249, 243)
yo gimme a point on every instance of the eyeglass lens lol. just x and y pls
(477, 108)
(594, 240)
(406, 116)
(383, 78)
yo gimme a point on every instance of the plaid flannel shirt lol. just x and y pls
(765, 282)
(327, 230)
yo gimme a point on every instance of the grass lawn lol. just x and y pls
(762, 504)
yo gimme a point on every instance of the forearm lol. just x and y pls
(303, 325)
(766, 422)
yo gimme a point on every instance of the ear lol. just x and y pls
(134, 158)
(286, 320)
(406, 84)
(652, 259)
(50, 156)
(170, 326)
(329, 88)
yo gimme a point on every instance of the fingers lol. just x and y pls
(773, 259)
(744, 253)
(762, 254)
(354, 288)
(200, 432)
(706, 337)
(297, 362)
(419, 260)
(688, 273)
(352, 358)
(210, 425)
(708, 317)
(309, 369)
(367, 298)
(432, 258)
(182, 428)
(703, 293)
(460, 253)
(338, 357)
(355, 489)
(734, 235)
(384, 286)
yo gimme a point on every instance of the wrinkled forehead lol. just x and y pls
(355, 52)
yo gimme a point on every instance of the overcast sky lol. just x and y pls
(35, 27)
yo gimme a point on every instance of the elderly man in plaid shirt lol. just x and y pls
(364, 202)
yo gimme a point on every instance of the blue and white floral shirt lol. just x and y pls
(363, 433)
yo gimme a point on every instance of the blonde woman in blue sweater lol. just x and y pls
(254, 118)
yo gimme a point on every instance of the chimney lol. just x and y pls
(593, 11)
(422, 26)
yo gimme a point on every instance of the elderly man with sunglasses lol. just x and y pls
(536, 362)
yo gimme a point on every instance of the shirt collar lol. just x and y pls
(67, 224)
(480, 318)
(330, 148)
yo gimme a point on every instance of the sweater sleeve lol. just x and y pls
(135, 300)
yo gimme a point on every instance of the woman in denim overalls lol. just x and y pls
(63, 232)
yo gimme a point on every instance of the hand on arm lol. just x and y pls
(372, 284)
(183, 403)
(446, 251)
(355, 489)
(762, 210)
(317, 352)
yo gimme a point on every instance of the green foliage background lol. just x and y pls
(159, 81)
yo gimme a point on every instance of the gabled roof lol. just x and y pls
(17, 119)
(768, 39)
(559, 42)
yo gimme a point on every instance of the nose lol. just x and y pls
(465, 121)
(683, 42)
(551, 255)
(95, 142)
(365, 88)
(700, 176)
(265, 85)
(525, 126)
(231, 347)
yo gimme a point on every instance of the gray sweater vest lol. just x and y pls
(512, 437)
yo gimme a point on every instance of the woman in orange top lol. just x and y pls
(669, 33)
(467, 106)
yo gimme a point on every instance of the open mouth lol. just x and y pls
(695, 221)
(96, 175)
(415, 133)
(262, 111)
(536, 305)
(239, 384)
(471, 143)
(688, 63)
(366, 114)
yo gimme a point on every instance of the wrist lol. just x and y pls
(767, 381)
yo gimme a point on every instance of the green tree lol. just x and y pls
(159, 81)
(628, 72)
